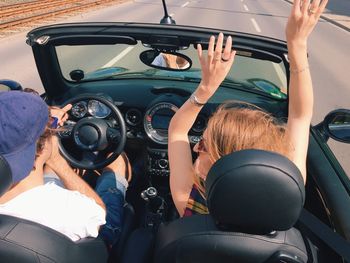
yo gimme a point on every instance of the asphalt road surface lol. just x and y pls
(329, 50)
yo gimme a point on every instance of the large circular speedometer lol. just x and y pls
(157, 120)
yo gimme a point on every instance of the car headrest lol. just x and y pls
(5, 176)
(255, 191)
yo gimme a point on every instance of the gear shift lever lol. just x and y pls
(155, 206)
(149, 193)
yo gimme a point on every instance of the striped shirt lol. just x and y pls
(196, 203)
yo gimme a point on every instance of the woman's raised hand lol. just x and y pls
(216, 64)
(302, 20)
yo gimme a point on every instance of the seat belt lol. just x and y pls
(323, 232)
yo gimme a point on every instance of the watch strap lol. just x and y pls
(194, 100)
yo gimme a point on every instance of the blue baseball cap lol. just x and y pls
(23, 118)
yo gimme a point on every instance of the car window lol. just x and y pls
(121, 60)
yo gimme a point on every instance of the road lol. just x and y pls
(329, 50)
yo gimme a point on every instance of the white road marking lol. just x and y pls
(185, 4)
(118, 57)
(255, 24)
(246, 8)
(171, 14)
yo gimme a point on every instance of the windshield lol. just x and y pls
(92, 62)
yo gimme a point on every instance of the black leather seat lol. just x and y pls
(26, 241)
(5, 176)
(254, 198)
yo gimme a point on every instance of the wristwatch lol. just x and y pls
(194, 100)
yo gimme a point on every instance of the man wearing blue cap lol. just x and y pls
(76, 210)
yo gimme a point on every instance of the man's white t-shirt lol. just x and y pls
(69, 212)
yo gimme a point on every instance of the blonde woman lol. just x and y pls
(236, 128)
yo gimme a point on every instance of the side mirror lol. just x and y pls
(163, 60)
(336, 125)
(7, 85)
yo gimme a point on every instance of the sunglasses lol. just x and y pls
(201, 145)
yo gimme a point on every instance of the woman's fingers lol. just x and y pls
(321, 8)
(227, 51)
(305, 6)
(314, 5)
(216, 53)
(202, 59)
(199, 50)
(218, 47)
(200, 53)
(211, 48)
(217, 63)
(232, 58)
(296, 5)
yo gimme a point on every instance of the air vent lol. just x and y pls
(133, 117)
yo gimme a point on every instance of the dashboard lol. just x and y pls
(147, 128)
(147, 108)
(154, 120)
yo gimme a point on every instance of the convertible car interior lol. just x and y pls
(261, 231)
(124, 92)
(264, 223)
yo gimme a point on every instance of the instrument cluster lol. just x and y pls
(157, 119)
(92, 107)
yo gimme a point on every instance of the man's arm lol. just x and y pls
(70, 179)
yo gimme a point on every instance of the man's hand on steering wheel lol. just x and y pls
(60, 113)
(91, 142)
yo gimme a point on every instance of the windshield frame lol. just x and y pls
(89, 33)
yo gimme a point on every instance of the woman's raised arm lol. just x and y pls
(301, 22)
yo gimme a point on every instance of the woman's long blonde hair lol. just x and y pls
(238, 126)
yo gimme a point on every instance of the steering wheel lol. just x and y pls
(93, 142)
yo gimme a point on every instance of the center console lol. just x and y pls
(158, 163)
(158, 171)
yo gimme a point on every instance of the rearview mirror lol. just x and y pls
(336, 125)
(168, 61)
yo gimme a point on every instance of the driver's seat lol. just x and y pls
(25, 241)
(254, 198)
